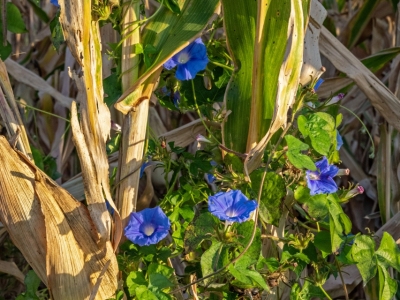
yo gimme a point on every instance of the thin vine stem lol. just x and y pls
(253, 234)
(42, 111)
(346, 294)
(363, 125)
(222, 65)
(199, 113)
(325, 293)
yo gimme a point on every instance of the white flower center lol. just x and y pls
(231, 213)
(148, 229)
(183, 58)
(314, 176)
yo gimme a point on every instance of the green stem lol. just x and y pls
(139, 23)
(253, 234)
(363, 125)
(346, 294)
(200, 116)
(42, 111)
(221, 65)
(325, 293)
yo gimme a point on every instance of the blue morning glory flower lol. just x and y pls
(321, 181)
(147, 227)
(190, 60)
(231, 206)
(55, 2)
(210, 178)
(109, 208)
(339, 140)
(144, 165)
(318, 84)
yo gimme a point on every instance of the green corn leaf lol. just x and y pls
(240, 24)
(377, 61)
(266, 71)
(287, 82)
(359, 21)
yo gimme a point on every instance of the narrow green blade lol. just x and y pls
(240, 22)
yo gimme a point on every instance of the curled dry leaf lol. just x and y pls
(53, 231)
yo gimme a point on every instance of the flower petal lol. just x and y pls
(318, 84)
(156, 217)
(325, 186)
(339, 140)
(171, 63)
(331, 171)
(232, 201)
(322, 164)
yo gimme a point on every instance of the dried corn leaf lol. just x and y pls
(53, 231)
(9, 267)
(186, 134)
(312, 60)
(10, 112)
(381, 97)
(181, 136)
(135, 122)
(332, 85)
(90, 135)
(29, 78)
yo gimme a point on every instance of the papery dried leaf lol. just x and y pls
(9, 267)
(332, 85)
(90, 135)
(312, 60)
(135, 121)
(53, 231)
(29, 78)
(381, 97)
(10, 113)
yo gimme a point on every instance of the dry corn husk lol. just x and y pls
(53, 231)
